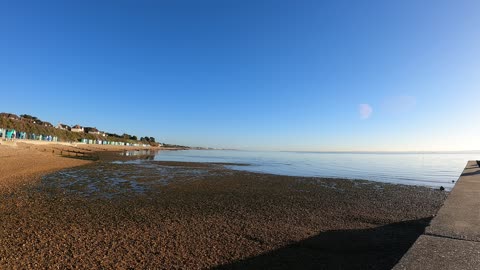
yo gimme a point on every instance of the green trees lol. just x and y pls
(129, 137)
(32, 119)
(148, 140)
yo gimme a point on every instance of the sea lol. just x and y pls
(432, 169)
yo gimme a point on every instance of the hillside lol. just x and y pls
(63, 135)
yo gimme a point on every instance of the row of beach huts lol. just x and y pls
(12, 134)
(102, 142)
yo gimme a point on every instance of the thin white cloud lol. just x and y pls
(399, 104)
(365, 111)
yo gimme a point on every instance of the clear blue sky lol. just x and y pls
(280, 75)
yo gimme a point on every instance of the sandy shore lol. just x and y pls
(220, 218)
(23, 160)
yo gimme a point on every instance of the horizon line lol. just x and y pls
(344, 151)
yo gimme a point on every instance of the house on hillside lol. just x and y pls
(30, 120)
(46, 124)
(77, 128)
(63, 127)
(92, 130)
(9, 116)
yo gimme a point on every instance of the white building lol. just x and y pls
(77, 128)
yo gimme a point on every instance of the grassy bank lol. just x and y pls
(63, 135)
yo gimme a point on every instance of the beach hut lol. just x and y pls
(10, 134)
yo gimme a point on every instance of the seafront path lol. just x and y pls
(452, 241)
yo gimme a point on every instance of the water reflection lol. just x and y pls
(137, 153)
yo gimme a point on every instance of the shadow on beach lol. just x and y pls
(376, 248)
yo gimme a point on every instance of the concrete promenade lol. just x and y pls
(452, 241)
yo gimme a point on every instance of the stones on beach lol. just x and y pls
(203, 222)
(442, 188)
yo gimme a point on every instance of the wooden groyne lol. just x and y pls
(79, 154)
(452, 241)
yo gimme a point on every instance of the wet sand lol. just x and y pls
(215, 219)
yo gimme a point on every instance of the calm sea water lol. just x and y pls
(425, 169)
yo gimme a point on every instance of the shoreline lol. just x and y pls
(21, 163)
(360, 180)
(218, 218)
(24, 160)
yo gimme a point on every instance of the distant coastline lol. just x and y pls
(387, 152)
